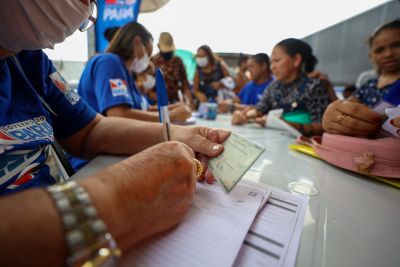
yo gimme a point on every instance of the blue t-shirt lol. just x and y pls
(106, 83)
(27, 127)
(252, 92)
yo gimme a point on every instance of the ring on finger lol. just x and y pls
(199, 167)
(340, 118)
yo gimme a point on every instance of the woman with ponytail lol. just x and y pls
(303, 99)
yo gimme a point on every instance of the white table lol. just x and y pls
(352, 221)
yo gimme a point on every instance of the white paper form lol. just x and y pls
(211, 234)
(274, 238)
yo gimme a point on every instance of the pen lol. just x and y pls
(180, 96)
(162, 102)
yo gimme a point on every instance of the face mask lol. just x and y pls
(140, 65)
(167, 55)
(37, 24)
(149, 83)
(202, 61)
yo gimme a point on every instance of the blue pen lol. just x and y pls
(162, 101)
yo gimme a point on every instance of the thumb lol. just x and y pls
(208, 141)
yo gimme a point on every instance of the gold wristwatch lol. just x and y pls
(88, 241)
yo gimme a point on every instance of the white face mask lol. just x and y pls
(140, 65)
(37, 24)
(202, 61)
(150, 82)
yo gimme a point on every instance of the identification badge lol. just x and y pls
(238, 156)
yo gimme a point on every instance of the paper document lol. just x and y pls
(274, 121)
(274, 237)
(211, 234)
(238, 156)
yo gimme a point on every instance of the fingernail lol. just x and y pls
(215, 147)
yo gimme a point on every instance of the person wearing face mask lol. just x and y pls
(172, 67)
(209, 76)
(146, 84)
(90, 221)
(107, 84)
(303, 99)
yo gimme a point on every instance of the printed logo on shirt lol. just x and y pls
(25, 132)
(118, 87)
(64, 87)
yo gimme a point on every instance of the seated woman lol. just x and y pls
(209, 76)
(252, 92)
(303, 99)
(107, 84)
(356, 117)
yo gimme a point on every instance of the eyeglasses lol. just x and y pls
(91, 20)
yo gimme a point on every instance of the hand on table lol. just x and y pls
(350, 118)
(180, 113)
(206, 142)
(151, 192)
(239, 117)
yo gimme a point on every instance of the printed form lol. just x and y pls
(274, 238)
(211, 234)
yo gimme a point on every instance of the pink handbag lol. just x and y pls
(379, 157)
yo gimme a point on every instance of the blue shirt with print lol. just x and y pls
(27, 127)
(252, 92)
(106, 83)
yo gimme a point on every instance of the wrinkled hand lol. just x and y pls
(152, 192)
(180, 113)
(358, 119)
(206, 142)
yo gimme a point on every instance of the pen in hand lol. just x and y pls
(162, 102)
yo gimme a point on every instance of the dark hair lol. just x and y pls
(242, 58)
(110, 32)
(294, 46)
(261, 58)
(122, 42)
(394, 24)
(209, 52)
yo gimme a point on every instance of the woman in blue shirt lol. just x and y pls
(252, 92)
(107, 84)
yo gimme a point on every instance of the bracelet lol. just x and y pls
(88, 242)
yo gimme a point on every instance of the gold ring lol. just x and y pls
(199, 167)
(340, 118)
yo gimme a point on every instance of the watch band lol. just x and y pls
(88, 242)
